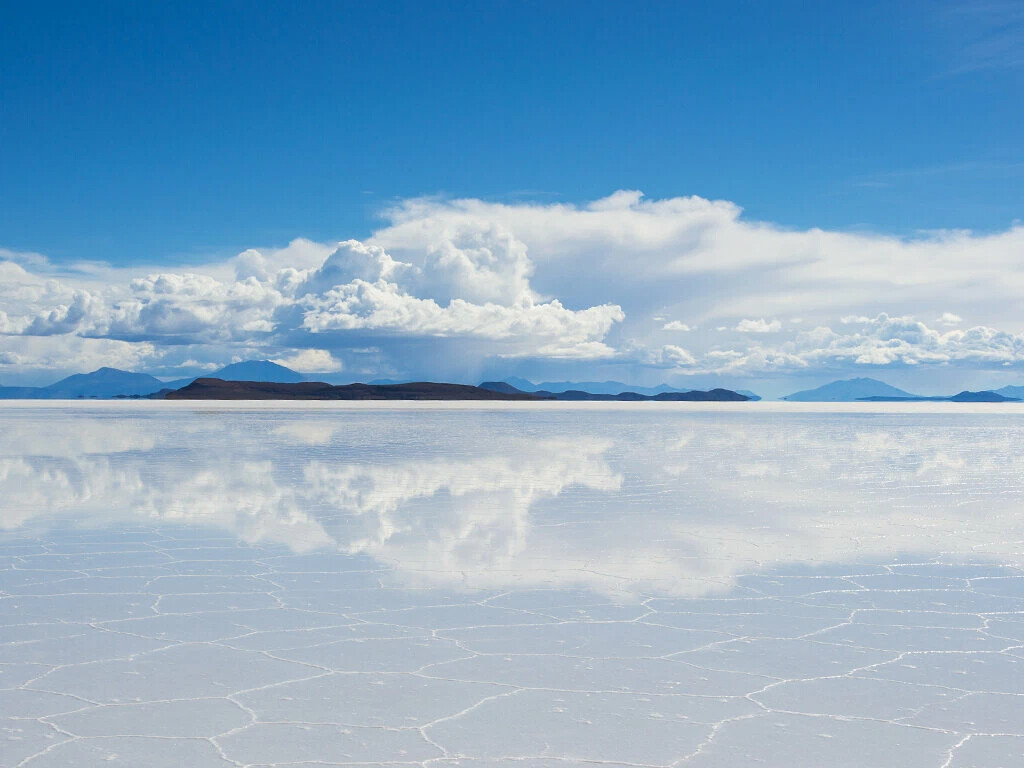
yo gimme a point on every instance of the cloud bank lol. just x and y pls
(451, 288)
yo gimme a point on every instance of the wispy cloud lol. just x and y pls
(988, 35)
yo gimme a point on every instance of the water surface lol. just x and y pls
(534, 585)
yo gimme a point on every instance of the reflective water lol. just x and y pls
(537, 586)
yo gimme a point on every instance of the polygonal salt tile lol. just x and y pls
(22, 738)
(213, 602)
(184, 671)
(918, 619)
(205, 567)
(189, 628)
(904, 580)
(25, 702)
(1009, 627)
(285, 639)
(85, 562)
(87, 585)
(270, 619)
(621, 639)
(944, 601)
(890, 638)
(381, 700)
(454, 616)
(547, 599)
(295, 743)
(323, 562)
(640, 676)
(795, 741)
(131, 752)
(182, 718)
(376, 604)
(1007, 586)
(378, 655)
(745, 624)
(606, 612)
(88, 644)
(792, 586)
(784, 658)
(976, 713)
(853, 697)
(314, 582)
(990, 752)
(20, 609)
(13, 675)
(610, 727)
(982, 672)
(960, 570)
(18, 580)
(727, 606)
(206, 584)
(225, 554)
(13, 634)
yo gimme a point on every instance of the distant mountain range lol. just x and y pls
(847, 391)
(113, 383)
(872, 390)
(713, 395)
(102, 383)
(110, 382)
(600, 387)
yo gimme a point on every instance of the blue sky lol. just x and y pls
(173, 137)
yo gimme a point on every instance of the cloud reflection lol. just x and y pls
(671, 501)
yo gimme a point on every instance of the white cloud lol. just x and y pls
(455, 282)
(74, 353)
(758, 326)
(384, 306)
(311, 361)
(677, 356)
(882, 341)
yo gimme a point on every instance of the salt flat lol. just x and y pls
(532, 585)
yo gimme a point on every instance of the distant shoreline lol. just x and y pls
(219, 389)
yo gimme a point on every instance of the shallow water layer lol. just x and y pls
(533, 586)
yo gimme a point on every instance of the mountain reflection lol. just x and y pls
(665, 501)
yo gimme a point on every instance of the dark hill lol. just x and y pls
(985, 396)
(714, 395)
(218, 389)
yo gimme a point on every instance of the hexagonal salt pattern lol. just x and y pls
(469, 587)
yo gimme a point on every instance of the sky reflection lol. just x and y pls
(667, 501)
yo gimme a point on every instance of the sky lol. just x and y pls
(762, 196)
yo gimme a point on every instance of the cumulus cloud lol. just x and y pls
(758, 326)
(356, 289)
(311, 361)
(460, 282)
(676, 356)
(384, 306)
(881, 341)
